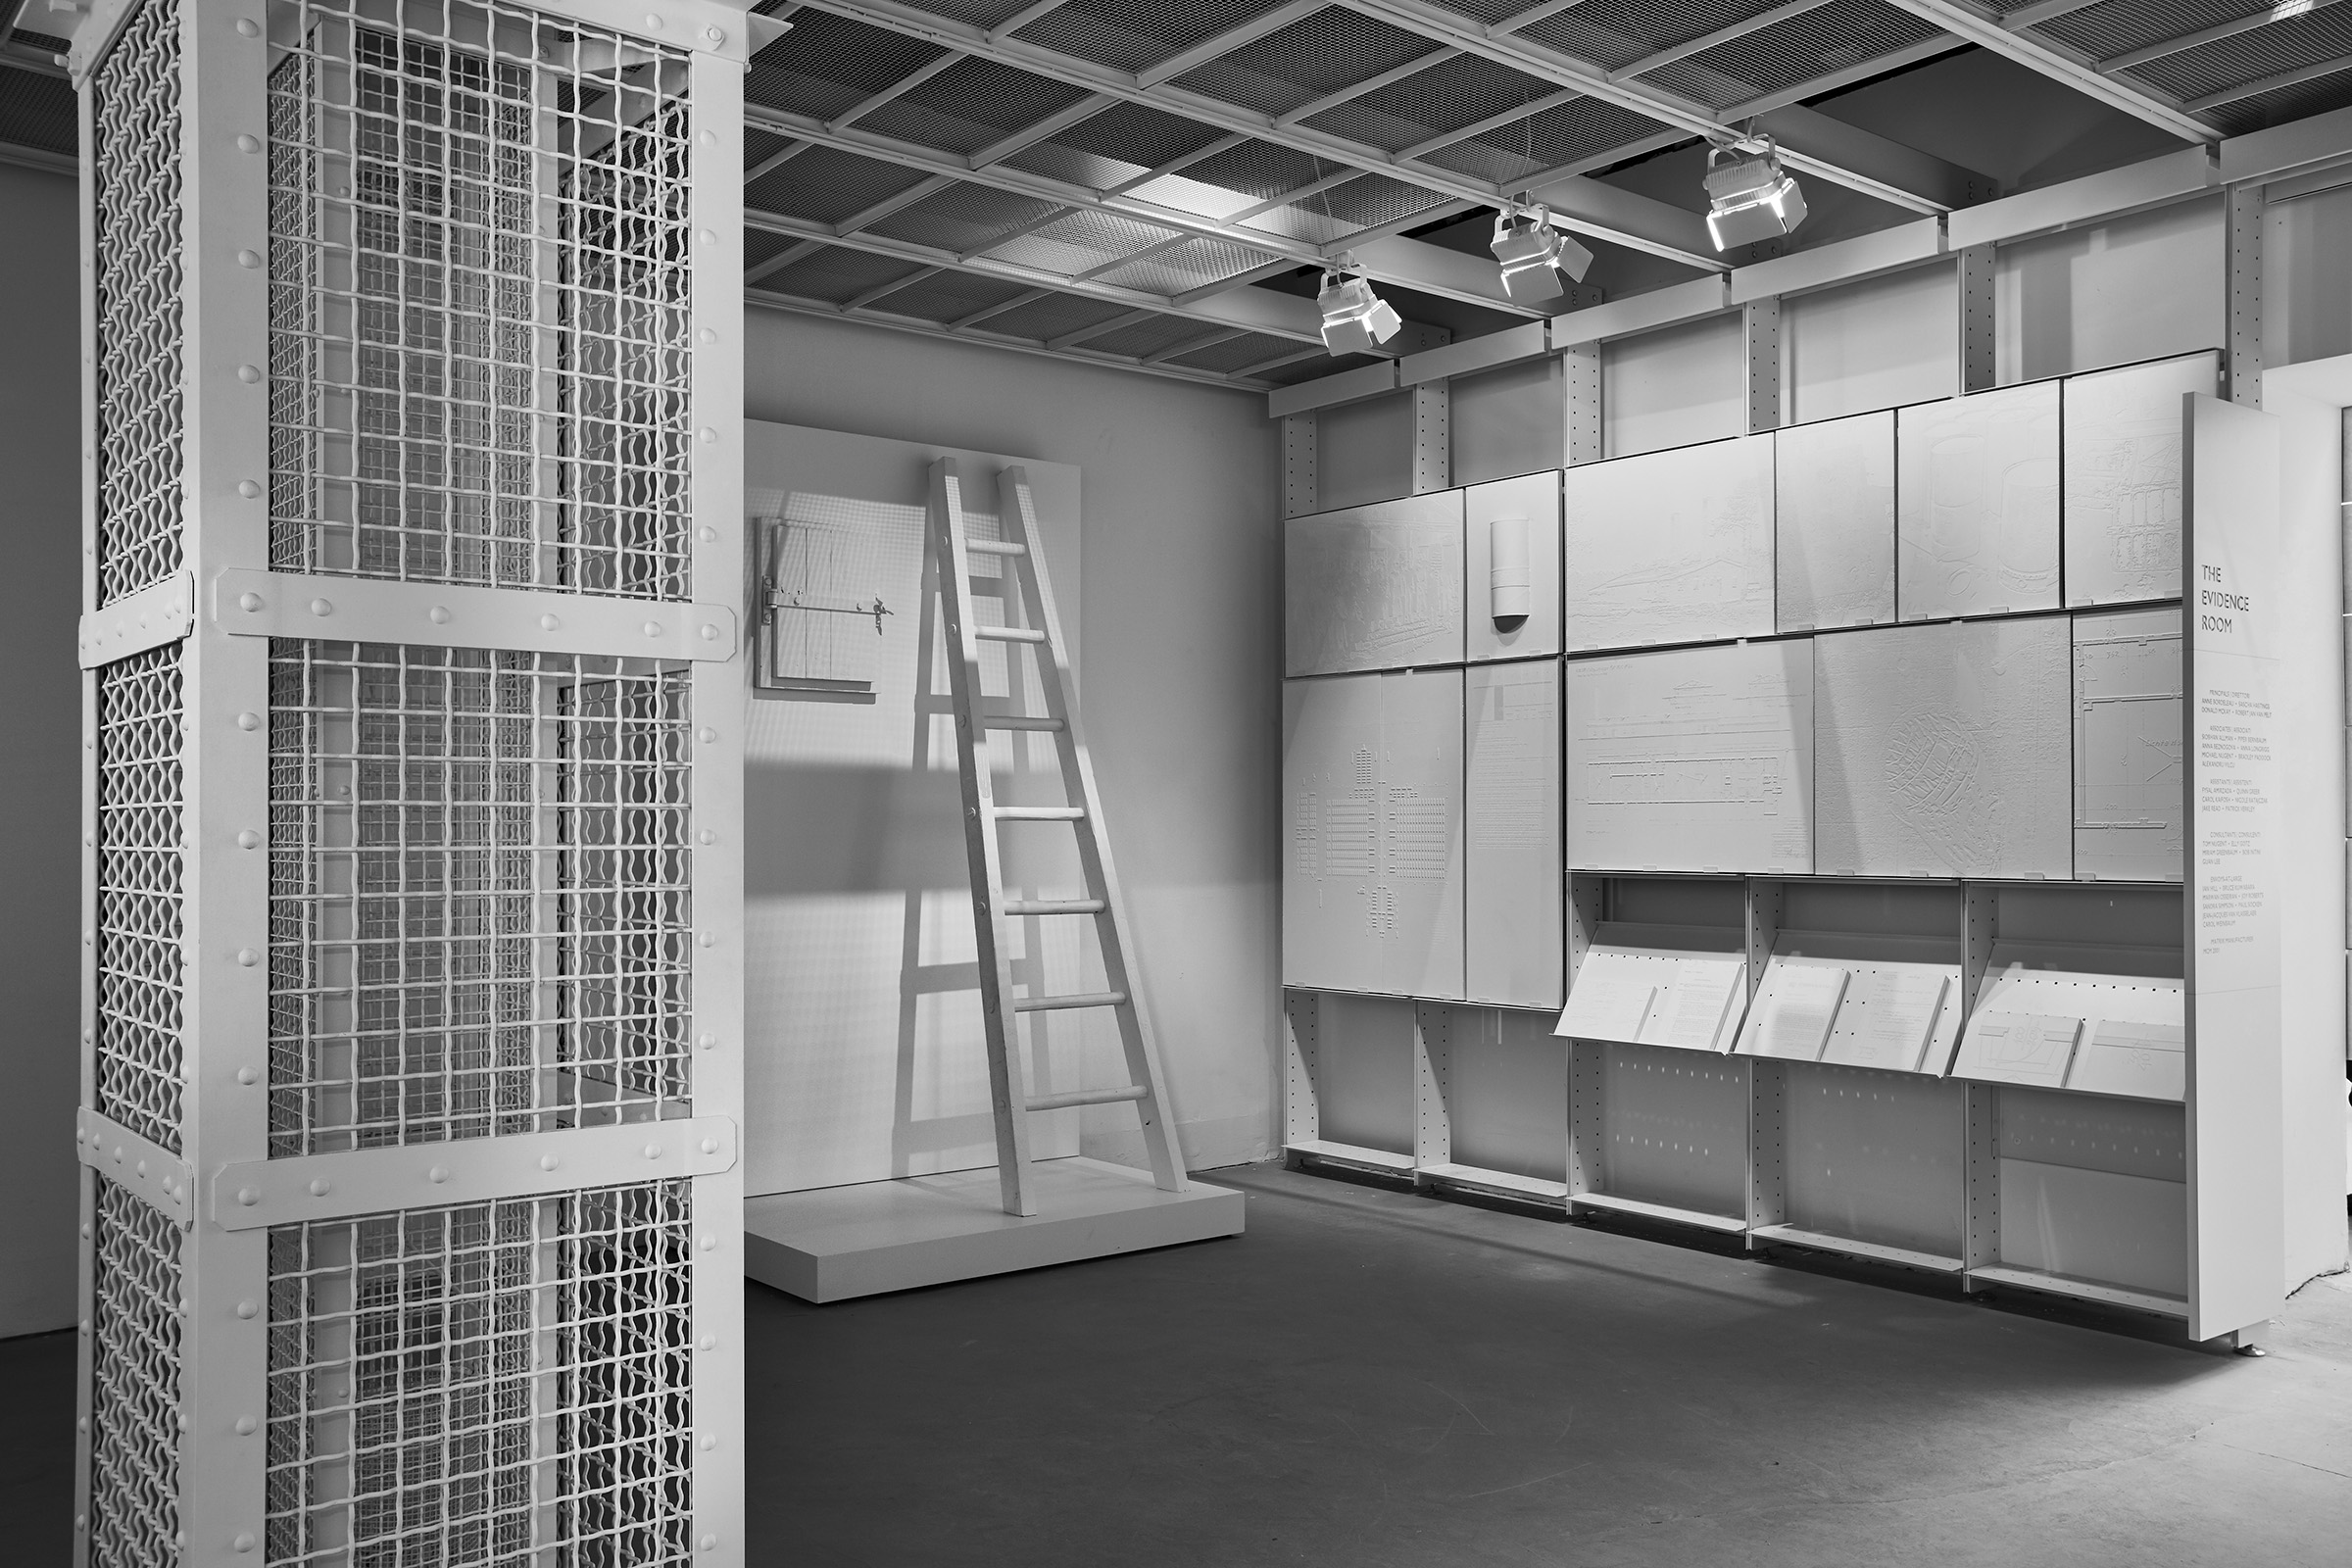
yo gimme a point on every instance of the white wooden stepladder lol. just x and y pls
(1032, 621)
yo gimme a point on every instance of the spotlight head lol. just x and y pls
(1534, 257)
(1355, 320)
(1750, 198)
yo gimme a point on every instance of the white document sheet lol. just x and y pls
(1691, 759)
(2141, 1060)
(1671, 547)
(2018, 1047)
(2130, 816)
(1612, 998)
(1976, 503)
(1835, 534)
(1796, 1010)
(2122, 479)
(1889, 1017)
(1698, 1005)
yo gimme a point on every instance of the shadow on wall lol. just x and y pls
(865, 829)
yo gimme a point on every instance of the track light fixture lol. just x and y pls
(1533, 258)
(1750, 198)
(1355, 320)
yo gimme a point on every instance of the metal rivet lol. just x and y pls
(246, 1075)
(709, 940)
(249, 603)
(88, 937)
(709, 634)
(652, 1150)
(249, 374)
(249, 145)
(710, 139)
(705, 836)
(248, 1308)
(181, 1421)
(709, 1241)
(708, 1341)
(143, 1167)
(247, 1196)
(710, 1146)
(247, 1426)
(709, 1542)
(546, 1162)
(321, 606)
(708, 434)
(249, 721)
(653, 21)
(244, 1543)
(250, 489)
(249, 258)
(438, 614)
(248, 957)
(706, 335)
(437, 1175)
(713, 37)
(82, 1425)
(706, 1442)
(653, 629)
(709, 1042)
(706, 735)
(709, 236)
(319, 1186)
(547, 623)
(81, 1521)
(247, 27)
(709, 536)
(249, 840)
(84, 1325)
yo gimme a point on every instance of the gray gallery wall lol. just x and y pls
(1181, 617)
(41, 870)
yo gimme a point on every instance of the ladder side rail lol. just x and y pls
(1016, 510)
(1007, 1086)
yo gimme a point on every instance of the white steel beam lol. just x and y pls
(1100, 330)
(1708, 40)
(1366, 87)
(2272, 83)
(895, 91)
(1193, 345)
(2060, 64)
(1046, 130)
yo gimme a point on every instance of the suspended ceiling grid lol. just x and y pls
(1106, 179)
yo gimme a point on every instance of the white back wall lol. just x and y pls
(40, 714)
(1179, 600)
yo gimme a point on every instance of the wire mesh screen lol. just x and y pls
(479, 344)
(138, 958)
(478, 893)
(498, 1383)
(134, 1383)
(134, 186)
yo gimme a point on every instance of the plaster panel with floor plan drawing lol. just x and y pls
(2130, 819)
(1673, 547)
(1833, 557)
(2122, 479)
(1976, 503)
(1376, 587)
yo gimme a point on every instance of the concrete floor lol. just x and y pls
(1373, 1378)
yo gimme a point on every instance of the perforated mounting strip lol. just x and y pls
(276, 604)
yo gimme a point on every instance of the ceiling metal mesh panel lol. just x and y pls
(1146, 337)
(135, 1409)
(1233, 353)
(1053, 316)
(480, 355)
(1456, 93)
(1304, 61)
(1130, 34)
(1079, 243)
(827, 63)
(37, 110)
(836, 274)
(760, 244)
(986, 13)
(1579, 131)
(1258, 169)
(759, 146)
(825, 186)
(965, 220)
(945, 297)
(1615, 33)
(1488, 12)
(479, 918)
(1316, 363)
(1190, 266)
(138, 1051)
(2312, 38)
(2118, 26)
(970, 105)
(135, 210)
(505, 1382)
(1372, 201)
(1136, 137)
(1837, 35)
(2282, 104)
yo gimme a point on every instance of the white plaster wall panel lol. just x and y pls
(1376, 587)
(1512, 571)
(1943, 751)
(1877, 343)
(1675, 546)
(1372, 881)
(1691, 759)
(1834, 549)
(2130, 819)
(2122, 479)
(1673, 386)
(1976, 503)
(2114, 292)
(1513, 940)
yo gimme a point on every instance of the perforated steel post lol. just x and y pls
(412, 1005)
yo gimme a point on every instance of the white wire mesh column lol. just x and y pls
(427, 292)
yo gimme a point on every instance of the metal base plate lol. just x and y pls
(837, 1243)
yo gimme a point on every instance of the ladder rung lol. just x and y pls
(1087, 1097)
(1090, 999)
(1007, 634)
(1052, 905)
(1041, 813)
(994, 547)
(1018, 721)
